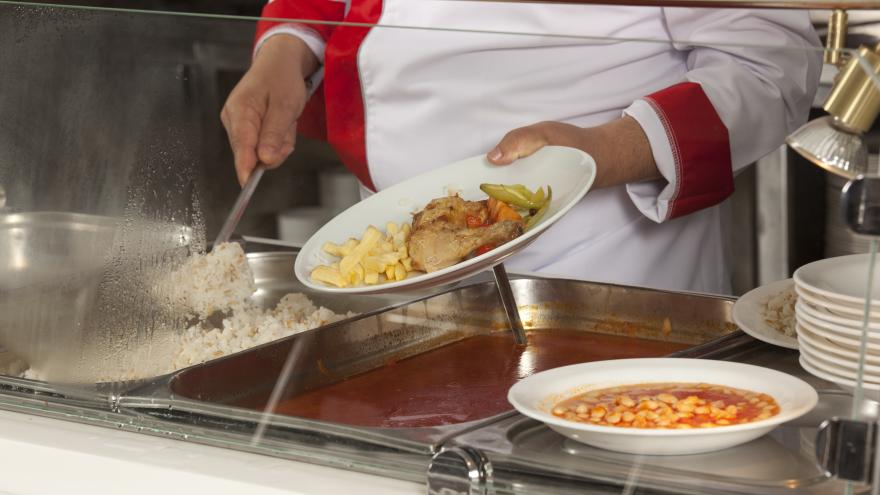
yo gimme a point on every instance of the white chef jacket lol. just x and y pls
(397, 102)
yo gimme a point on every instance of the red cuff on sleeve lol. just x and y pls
(700, 148)
(315, 10)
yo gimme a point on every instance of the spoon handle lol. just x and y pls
(240, 205)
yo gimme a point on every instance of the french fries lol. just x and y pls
(375, 258)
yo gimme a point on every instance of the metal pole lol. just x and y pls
(509, 303)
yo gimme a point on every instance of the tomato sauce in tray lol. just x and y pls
(462, 381)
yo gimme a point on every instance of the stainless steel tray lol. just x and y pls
(527, 457)
(53, 266)
(204, 393)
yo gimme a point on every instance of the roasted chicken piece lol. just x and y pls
(444, 233)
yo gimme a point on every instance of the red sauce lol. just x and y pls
(462, 381)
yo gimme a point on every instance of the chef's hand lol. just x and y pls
(260, 113)
(620, 147)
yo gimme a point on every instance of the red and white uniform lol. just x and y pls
(398, 101)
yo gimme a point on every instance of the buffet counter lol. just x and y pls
(206, 426)
(101, 460)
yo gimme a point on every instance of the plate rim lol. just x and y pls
(813, 320)
(812, 336)
(462, 269)
(820, 300)
(549, 419)
(868, 385)
(812, 351)
(831, 377)
(808, 269)
(755, 297)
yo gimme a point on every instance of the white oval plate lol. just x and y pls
(535, 396)
(844, 310)
(570, 172)
(840, 279)
(748, 314)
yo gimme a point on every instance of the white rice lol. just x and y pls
(218, 281)
(223, 281)
(778, 312)
(250, 326)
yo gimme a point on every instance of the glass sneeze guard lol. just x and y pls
(116, 170)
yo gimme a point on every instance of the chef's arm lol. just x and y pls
(736, 104)
(260, 115)
(620, 147)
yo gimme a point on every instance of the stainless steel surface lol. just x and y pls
(204, 394)
(845, 448)
(860, 205)
(241, 202)
(458, 471)
(56, 271)
(839, 239)
(528, 457)
(508, 452)
(508, 302)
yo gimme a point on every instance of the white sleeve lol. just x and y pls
(759, 70)
(311, 38)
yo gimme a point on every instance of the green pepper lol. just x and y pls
(538, 197)
(534, 219)
(510, 195)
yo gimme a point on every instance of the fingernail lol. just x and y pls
(495, 154)
(268, 153)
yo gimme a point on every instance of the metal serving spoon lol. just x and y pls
(216, 319)
(240, 205)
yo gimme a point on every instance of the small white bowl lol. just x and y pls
(536, 395)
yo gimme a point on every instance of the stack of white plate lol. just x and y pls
(829, 312)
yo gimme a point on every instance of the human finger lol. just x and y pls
(243, 130)
(289, 142)
(275, 131)
(518, 143)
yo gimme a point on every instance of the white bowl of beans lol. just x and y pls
(663, 406)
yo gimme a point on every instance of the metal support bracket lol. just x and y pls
(845, 449)
(459, 471)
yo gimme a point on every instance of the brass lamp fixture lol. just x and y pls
(835, 142)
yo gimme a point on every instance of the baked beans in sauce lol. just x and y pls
(667, 406)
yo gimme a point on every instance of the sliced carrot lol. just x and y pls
(499, 210)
